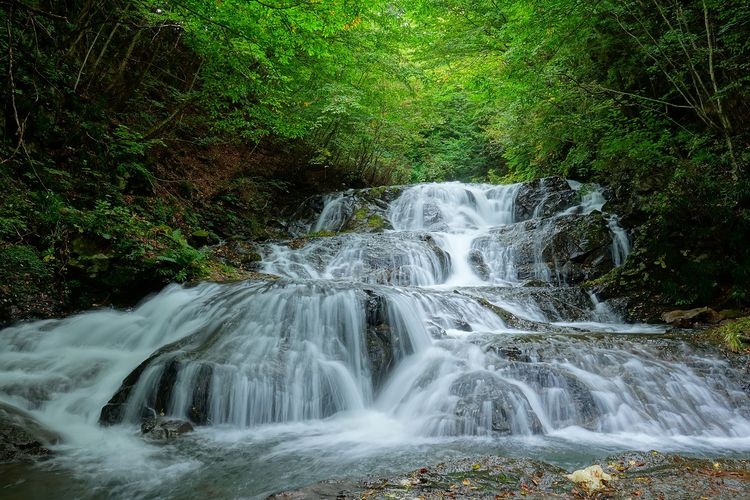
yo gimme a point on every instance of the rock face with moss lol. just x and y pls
(355, 210)
(543, 198)
(568, 249)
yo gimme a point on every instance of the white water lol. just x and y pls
(379, 354)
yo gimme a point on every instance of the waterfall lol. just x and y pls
(460, 318)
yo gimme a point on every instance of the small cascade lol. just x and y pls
(453, 207)
(435, 315)
(592, 199)
(620, 241)
(334, 214)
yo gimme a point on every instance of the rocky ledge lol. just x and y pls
(22, 438)
(650, 475)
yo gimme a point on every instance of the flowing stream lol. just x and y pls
(432, 321)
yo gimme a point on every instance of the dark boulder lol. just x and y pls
(579, 247)
(161, 429)
(166, 362)
(485, 399)
(386, 344)
(358, 210)
(22, 438)
(575, 404)
(380, 349)
(556, 304)
(543, 198)
(564, 250)
(478, 264)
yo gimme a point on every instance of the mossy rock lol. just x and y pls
(367, 218)
(376, 222)
(361, 214)
(321, 234)
(203, 237)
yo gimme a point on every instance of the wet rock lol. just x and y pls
(578, 248)
(634, 475)
(485, 399)
(534, 283)
(114, 411)
(22, 438)
(477, 263)
(543, 198)
(358, 210)
(573, 402)
(564, 250)
(688, 318)
(555, 304)
(303, 219)
(403, 258)
(161, 429)
(510, 319)
(513, 353)
(189, 366)
(165, 365)
(478, 477)
(433, 217)
(379, 337)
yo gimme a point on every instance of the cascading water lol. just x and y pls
(452, 325)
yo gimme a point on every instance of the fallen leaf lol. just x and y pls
(591, 478)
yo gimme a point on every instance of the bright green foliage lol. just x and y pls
(734, 334)
(651, 97)
(329, 74)
(256, 57)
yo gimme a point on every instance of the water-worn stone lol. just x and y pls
(358, 210)
(22, 438)
(557, 304)
(160, 429)
(380, 340)
(399, 258)
(485, 399)
(576, 404)
(114, 411)
(385, 345)
(543, 198)
(687, 318)
(568, 249)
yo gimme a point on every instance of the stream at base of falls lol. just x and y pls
(409, 325)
